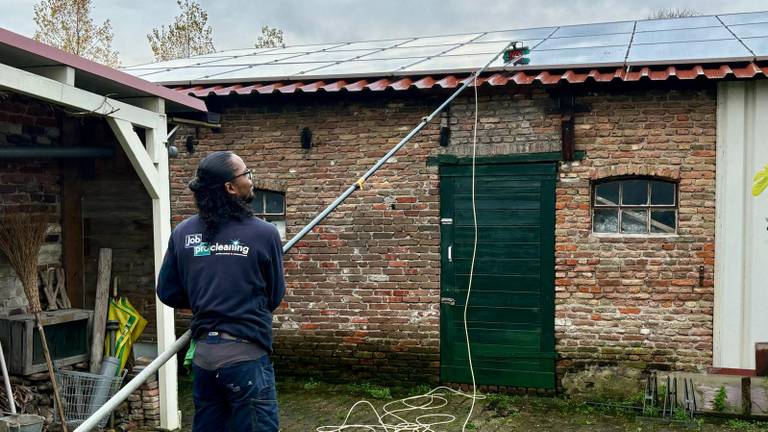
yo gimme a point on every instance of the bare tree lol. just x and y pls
(666, 13)
(189, 34)
(67, 25)
(270, 38)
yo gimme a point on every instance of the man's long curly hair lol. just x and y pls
(215, 206)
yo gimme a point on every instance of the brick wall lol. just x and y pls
(29, 186)
(639, 301)
(363, 289)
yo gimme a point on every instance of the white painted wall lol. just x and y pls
(741, 238)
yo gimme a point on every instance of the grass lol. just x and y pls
(306, 404)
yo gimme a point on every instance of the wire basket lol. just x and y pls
(83, 393)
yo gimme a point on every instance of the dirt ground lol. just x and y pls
(307, 405)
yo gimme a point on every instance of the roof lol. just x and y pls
(24, 53)
(699, 46)
(751, 70)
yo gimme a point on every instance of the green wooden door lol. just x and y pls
(511, 309)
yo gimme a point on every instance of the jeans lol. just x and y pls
(236, 398)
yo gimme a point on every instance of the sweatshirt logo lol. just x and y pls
(235, 247)
(193, 240)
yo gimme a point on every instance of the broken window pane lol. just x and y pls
(634, 221)
(607, 194)
(606, 221)
(663, 221)
(635, 192)
(662, 193)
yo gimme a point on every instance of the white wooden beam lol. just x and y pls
(62, 74)
(156, 141)
(170, 416)
(138, 156)
(741, 239)
(50, 90)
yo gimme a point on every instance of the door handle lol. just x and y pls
(450, 253)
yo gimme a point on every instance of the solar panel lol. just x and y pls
(273, 71)
(516, 35)
(586, 41)
(441, 40)
(745, 18)
(294, 49)
(362, 68)
(450, 63)
(369, 45)
(690, 35)
(185, 62)
(707, 51)
(184, 74)
(594, 29)
(701, 39)
(749, 30)
(328, 56)
(255, 59)
(488, 48)
(677, 23)
(759, 46)
(577, 57)
(413, 52)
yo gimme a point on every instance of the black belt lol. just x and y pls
(227, 336)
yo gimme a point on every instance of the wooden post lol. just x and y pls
(100, 308)
(746, 395)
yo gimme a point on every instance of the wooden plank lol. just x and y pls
(507, 201)
(62, 94)
(72, 234)
(498, 218)
(466, 234)
(509, 250)
(46, 280)
(498, 267)
(62, 289)
(138, 155)
(511, 284)
(100, 309)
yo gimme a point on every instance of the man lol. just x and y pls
(227, 266)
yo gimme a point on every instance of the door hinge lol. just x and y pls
(447, 300)
(446, 221)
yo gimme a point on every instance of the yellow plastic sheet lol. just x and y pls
(131, 326)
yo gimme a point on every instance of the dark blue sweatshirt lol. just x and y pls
(232, 283)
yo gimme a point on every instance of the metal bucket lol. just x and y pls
(21, 423)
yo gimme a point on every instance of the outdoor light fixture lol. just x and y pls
(190, 144)
(445, 127)
(306, 138)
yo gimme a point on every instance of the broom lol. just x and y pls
(20, 239)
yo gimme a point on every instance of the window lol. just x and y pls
(270, 206)
(635, 206)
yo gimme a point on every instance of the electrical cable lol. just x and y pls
(434, 399)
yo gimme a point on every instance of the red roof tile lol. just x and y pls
(546, 77)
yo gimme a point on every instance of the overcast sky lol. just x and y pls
(237, 23)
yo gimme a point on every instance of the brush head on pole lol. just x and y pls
(21, 236)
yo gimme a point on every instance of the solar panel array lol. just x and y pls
(701, 39)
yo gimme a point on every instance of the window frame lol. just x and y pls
(271, 216)
(649, 207)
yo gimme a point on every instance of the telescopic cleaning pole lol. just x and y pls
(511, 55)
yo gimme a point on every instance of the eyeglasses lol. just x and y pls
(247, 173)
